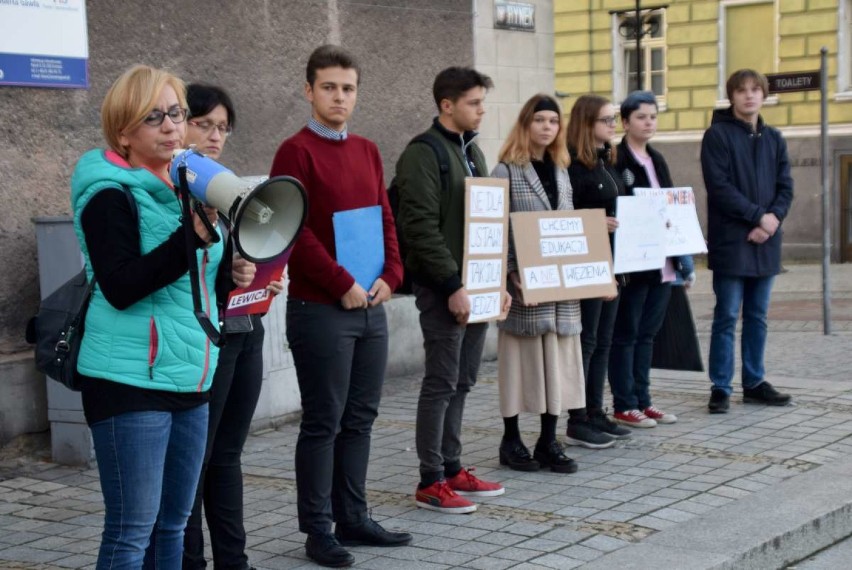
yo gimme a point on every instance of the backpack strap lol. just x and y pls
(440, 153)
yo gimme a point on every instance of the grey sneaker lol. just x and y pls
(587, 435)
(602, 422)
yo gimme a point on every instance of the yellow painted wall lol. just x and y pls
(583, 40)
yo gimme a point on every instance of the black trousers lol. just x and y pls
(598, 318)
(233, 399)
(340, 359)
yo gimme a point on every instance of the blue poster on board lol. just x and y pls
(44, 43)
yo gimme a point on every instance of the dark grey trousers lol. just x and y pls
(453, 355)
(340, 359)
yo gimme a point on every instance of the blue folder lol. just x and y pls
(360, 243)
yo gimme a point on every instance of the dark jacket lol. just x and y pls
(747, 175)
(634, 175)
(432, 221)
(596, 187)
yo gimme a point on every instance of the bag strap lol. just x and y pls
(203, 319)
(440, 153)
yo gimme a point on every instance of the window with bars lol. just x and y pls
(653, 52)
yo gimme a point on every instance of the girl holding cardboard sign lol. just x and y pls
(541, 366)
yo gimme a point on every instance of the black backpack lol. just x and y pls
(393, 197)
(57, 329)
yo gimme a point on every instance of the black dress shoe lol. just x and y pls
(370, 533)
(719, 402)
(765, 393)
(515, 455)
(551, 455)
(326, 551)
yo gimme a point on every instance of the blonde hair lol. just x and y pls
(581, 129)
(518, 148)
(131, 98)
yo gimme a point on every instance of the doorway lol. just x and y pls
(846, 208)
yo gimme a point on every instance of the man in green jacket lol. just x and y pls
(431, 219)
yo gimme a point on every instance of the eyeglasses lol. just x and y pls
(207, 127)
(608, 121)
(156, 117)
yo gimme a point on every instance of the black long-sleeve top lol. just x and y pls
(125, 276)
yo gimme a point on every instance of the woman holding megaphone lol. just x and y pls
(146, 364)
(239, 375)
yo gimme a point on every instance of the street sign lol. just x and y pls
(793, 81)
(514, 16)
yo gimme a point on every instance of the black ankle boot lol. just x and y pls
(551, 455)
(515, 455)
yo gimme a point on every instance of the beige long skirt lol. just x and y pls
(540, 374)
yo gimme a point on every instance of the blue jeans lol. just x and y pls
(149, 463)
(753, 294)
(641, 312)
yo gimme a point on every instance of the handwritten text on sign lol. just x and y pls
(558, 247)
(542, 277)
(484, 306)
(487, 202)
(484, 273)
(560, 227)
(581, 274)
(485, 238)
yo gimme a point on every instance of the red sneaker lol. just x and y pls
(439, 497)
(660, 416)
(634, 418)
(465, 483)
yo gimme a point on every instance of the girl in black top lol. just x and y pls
(596, 185)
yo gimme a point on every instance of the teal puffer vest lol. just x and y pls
(156, 343)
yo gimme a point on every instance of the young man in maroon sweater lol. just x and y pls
(336, 329)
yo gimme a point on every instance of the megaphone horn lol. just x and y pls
(266, 217)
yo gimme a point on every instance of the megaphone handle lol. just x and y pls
(211, 229)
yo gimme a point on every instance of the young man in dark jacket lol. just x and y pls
(749, 191)
(431, 219)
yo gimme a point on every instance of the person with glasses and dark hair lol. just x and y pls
(147, 366)
(239, 374)
(596, 184)
(336, 327)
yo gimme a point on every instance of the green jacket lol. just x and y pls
(155, 343)
(432, 221)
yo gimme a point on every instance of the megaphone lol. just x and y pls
(265, 217)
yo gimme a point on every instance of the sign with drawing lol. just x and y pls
(683, 230)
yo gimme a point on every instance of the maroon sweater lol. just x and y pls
(338, 176)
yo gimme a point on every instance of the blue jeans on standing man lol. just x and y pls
(641, 312)
(753, 294)
(149, 463)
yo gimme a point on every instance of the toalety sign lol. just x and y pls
(794, 81)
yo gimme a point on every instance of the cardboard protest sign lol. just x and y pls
(563, 255)
(486, 243)
(683, 234)
(640, 240)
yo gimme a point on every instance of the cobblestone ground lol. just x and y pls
(50, 516)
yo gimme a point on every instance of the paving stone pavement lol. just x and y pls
(51, 515)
